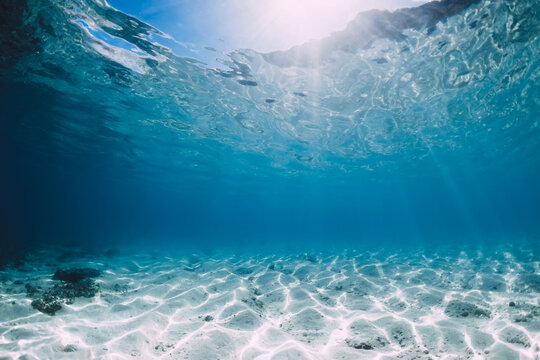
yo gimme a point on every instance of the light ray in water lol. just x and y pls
(368, 194)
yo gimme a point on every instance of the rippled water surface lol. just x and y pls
(406, 123)
(373, 194)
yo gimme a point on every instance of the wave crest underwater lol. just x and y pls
(415, 123)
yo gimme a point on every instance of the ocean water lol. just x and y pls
(372, 194)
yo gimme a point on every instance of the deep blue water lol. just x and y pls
(414, 127)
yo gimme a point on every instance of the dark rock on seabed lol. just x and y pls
(31, 290)
(47, 304)
(378, 342)
(76, 275)
(84, 288)
(456, 308)
(69, 348)
(74, 283)
(515, 336)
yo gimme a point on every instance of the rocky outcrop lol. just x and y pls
(74, 283)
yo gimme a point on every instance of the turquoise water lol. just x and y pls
(413, 127)
(373, 194)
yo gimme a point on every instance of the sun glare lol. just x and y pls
(267, 25)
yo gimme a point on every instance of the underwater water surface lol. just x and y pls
(373, 193)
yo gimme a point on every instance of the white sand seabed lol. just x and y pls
(319, 306)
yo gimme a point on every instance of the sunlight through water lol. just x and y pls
(270, 180)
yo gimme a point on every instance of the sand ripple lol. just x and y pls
(346, 305)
